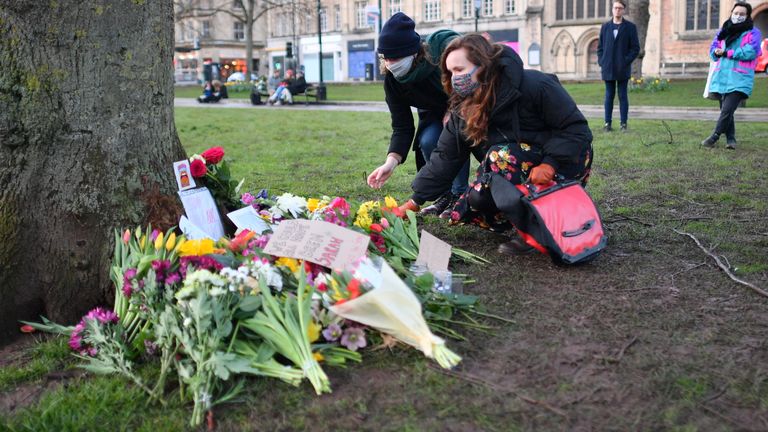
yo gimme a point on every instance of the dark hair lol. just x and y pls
(744, 5)
(623, 3)
(476, 108)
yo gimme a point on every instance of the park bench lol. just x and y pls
(309, 92)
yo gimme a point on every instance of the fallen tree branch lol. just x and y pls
(722, 266)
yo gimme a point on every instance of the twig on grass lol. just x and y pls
(629, 218)
(722, 266)
(715, 396)
(620, 355)
(481, 382)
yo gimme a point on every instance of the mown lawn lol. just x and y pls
(651, 336)
(683, 93)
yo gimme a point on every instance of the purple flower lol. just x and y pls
(262, 194)
(161, 268)
(150, 347)
(101, 315)
(154, 235)
(353, 338)
(172, 278)
(332, 333)
(247, 198)
(127, 289)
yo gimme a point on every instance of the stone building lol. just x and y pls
(558, 36)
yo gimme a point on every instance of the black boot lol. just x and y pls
(515, 247)
(710, 142)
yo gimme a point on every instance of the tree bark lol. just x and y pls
(641, 17)
(87, 139)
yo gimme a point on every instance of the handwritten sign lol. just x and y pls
(433, 252)
(202, 212)
(317, 241)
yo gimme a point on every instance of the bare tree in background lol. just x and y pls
(248, 12)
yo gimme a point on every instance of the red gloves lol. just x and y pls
(409, 205)
(542, 174)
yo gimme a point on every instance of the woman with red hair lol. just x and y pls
(521, 124)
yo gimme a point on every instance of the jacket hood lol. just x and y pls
(511, 79)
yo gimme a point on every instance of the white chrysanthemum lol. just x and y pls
(289, 203)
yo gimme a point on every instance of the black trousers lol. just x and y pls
(725, 123)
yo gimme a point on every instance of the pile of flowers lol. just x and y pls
(649, 84)
(210, 311)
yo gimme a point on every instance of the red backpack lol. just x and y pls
(559, 219)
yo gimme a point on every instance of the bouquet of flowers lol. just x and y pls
(375, 296)
(211, 170)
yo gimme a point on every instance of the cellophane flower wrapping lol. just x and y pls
(392, 308)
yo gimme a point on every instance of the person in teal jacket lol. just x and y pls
(735, 49)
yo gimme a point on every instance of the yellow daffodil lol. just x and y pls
(171, 242)
(312, 204)
(313, 331)
(390, 202)
(196, 247)
(318, 357)
(159, 241)
(363, 220)
(290, 263)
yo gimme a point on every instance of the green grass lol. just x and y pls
(681, 93)
(40, 359)
(697, 332)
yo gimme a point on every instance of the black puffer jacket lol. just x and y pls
(429, 98)
(531, 107)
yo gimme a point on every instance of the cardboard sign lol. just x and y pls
(317, 241)
(433, 252)
(202, 211)
(183, 175)
(247, 218)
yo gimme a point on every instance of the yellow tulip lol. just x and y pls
(142, 241)
(313, 331)
(196, 247)
(171, 242)
(318, 357)
(390, 202)
(290, 263)
(159, 241)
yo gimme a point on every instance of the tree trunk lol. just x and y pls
(87, 139)
(641, 17)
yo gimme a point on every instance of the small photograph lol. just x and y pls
(183, 176)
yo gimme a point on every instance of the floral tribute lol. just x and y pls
(210, 312)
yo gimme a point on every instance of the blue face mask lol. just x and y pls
(463, 84)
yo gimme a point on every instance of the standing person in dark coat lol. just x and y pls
(412, 79)
(520, 124)
(617, 48)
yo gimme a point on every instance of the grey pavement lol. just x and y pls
(590, 111)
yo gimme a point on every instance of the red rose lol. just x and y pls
(198, 168)
(213, 155)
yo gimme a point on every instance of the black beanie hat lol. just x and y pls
(397, 38)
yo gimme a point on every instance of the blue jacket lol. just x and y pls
(615, 55)
(736, 70)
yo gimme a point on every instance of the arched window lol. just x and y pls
(593, 69)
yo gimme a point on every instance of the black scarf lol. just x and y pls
(730, 31)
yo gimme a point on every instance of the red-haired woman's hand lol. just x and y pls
(542, 174)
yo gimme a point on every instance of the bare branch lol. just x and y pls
(722, 266)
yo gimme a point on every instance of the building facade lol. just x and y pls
(210, 42)
(557, 36)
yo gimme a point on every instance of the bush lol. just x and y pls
(648, 85)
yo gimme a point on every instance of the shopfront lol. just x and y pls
(360, 53)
